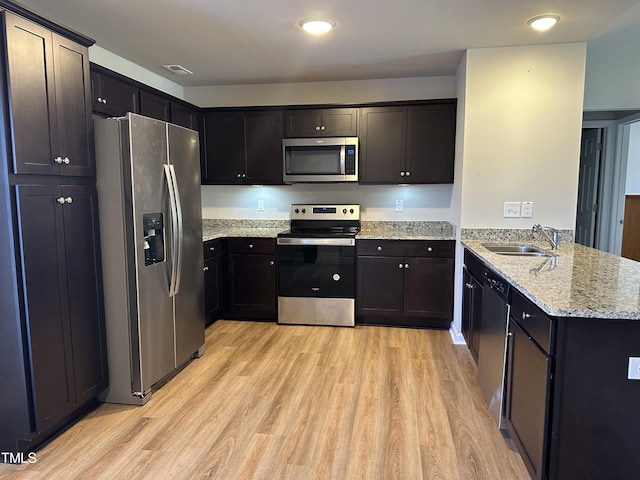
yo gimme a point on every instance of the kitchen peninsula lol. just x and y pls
(572, 383)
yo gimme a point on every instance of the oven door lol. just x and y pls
(316, 267)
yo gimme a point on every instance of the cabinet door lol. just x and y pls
(73, 107)
(154, 106)
(212, 293)
(380, 286)
(303, 123)
(428, 290)
(223, 149)
(527, 399)
(112, 96)
(40, 221)
(431, 143)
(86, 314)
(252, 285)
(31, 87)
(263, 142)
(383, 137)
(339, 122)
(184, 116)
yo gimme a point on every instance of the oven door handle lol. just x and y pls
(339, 242)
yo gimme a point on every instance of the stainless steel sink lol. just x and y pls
(517, 250)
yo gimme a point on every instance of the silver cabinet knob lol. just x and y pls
(239, 175)
(379, 248)
(104, 100)
(205, 269)
(99, 99)
(318, 128)
(469, 285)
(402, 174)
(400, 265)
(212, 249)
(271, 263)
(525, 316)
(68, 200)
(66, 160)
(430, 249)
(323, 128)
(407, 173)
(244, 175)
(406, 265)
(60, 200)
(251, 245)
(58, 160)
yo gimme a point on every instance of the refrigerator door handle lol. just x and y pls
(180, 236)
(174, 229)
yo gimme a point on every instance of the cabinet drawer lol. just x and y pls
(211, 248)
(409, 248)
(533, 320)
(251, 245)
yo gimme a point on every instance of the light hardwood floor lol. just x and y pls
(268, 401)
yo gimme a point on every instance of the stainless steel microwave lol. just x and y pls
(329, 159)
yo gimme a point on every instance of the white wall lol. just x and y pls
(633, 160)
(613, 66)
(522, 125)
(345, 92)
(421, 202)
(129, 69)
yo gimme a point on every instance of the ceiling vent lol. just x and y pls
(178, 69)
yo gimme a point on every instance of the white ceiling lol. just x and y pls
(258, 41)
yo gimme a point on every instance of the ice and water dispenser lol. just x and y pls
(153, 238)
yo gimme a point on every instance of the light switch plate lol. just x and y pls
(261, 205)
(511, 209)
(527, 209)
(634, 368)
(399, 205)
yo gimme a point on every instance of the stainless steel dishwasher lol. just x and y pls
(492, 348)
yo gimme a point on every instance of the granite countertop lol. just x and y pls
(579, 282)
(212, 229)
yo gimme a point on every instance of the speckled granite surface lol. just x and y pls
(510, 235)
(407, 231)
(212, 229)
(580, 282)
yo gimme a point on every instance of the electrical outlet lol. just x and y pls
(399, 205)
(527, 209)
(634, 368)
(261, 205)
(511, 209)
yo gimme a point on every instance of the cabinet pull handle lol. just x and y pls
(406, 265)
(251, 245)
(407, 173)
(430, 249)
(400, 265)
(99, 99)
(66, 160)
(379, 248)
(469, 285)
(402, 174)
(205, 269)
(104, 100)
(271, 263)
(318, 128)
(525, 316)
(244, 175)
(58, 160)
(60, 200)
(68, 200)
(212, 248)
(323, 128)
(239, 175)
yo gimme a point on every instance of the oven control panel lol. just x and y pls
(324, 212)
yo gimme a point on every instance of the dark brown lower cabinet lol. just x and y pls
(59, 281)
(251, 279)
(213, 280)
(405, 283)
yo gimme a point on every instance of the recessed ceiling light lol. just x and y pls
(543, 22)
(317, 26)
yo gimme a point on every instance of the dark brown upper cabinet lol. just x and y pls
(50, 108)
(408, 144)
(155, 106)
(112, 96)
(322, 122)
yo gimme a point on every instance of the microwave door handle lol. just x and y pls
(343, 149)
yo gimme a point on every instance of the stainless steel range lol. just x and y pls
(316, 264)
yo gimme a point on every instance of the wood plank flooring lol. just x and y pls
(269, 401)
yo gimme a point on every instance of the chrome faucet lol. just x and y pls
(554, 238)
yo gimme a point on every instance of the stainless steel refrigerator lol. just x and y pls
(148, 178)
